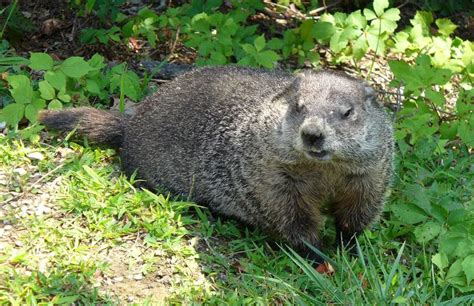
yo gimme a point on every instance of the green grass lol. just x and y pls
(105, 241)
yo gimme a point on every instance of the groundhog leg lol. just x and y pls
(296, 222)
(300, 230)
(355, 207)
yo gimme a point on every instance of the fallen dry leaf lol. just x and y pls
(238, 267)
(325, 268)
(364, 281)
(134, 44)
(50, 26)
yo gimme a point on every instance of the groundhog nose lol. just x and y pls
(312, 138)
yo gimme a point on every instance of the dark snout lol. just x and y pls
(312, 137)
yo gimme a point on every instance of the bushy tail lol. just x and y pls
(99, 126)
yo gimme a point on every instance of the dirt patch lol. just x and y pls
(135, 272)
(126, 278)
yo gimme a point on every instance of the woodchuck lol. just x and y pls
(266, 147)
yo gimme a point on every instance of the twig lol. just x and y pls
(403, 4)
(399, 102)
(272, 14)
(323, 8)
(73, 31)
(160, 81)
(175, 42)
(301, 15)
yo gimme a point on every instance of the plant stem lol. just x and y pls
(376, 49)
(8, 18)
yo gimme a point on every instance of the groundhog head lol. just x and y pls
(330, 117)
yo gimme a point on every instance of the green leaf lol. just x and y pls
(246, 61)
(13, 61)
(380, 6)
(416, 194)
(46, 90)
(418, 37)
(21, 90)
(31, 112)
(468, 268)
(392, 14)
(55, 104)
(41, 61)
(455, 242)
(323, 30)
(424, 20)
(92, 86)
(275, 44)
(39, 103)
(96, 62)
(376, 42)
(449, 129)
(405, 73)
(218, 58)
(440, 260)
(340, 19)
(326, 17)
(360, 47)
(259, 43)
(401, 42)
(75, 67)
(387, 26)
(466, 130)
(464, 106)
(13, 113)
(445, 26)
(350, 34)
(205, 48)
(436, 97)
(131, 85)
(430, 75)
(68, 299)
(369, 14)
(57, 79)
(268, 59)
(249, 49)
(64, 97)
(336, 43)
(230, 27)
(400, 300)
(31, 133)
(306, 29)
(313, 57)
(408, 213)
(356, 19)
(441, 47)
(455, 274)
(428, 231)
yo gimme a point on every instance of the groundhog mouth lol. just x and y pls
(322, 155)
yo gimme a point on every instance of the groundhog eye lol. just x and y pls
(348, 113)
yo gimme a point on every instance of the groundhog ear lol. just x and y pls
(370, 97)
(369, 92)
(289, 93)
